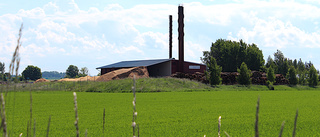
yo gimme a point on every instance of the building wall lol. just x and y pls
(160, 70)
(193, 67)
(166, 68)
(188, 67)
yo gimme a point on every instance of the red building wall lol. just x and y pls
(188, 67)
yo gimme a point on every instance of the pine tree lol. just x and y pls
(270, 75)
(245, 73)
(214, 71)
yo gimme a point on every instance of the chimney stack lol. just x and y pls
(181, 38)
(170, 36)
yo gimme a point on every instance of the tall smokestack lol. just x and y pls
(181, 38)
(170, 36)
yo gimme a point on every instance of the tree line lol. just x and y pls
(33, 73)
(232, 56)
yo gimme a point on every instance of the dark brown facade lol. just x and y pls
(189, 67)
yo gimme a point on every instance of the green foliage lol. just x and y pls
(83, 72)
(292, 76)
(244, 75)
(2, 68)
(72, 71)
(213, 73)
(53, 75)
(32, 73)
(230, 54)
(281, 62)
(270, 75)
(313, 77)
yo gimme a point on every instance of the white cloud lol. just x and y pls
(128, 50)
(62, 29)
(278, 34)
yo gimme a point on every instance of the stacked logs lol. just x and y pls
(230, 78)
(281, 80)
(258, 78)
(198, 76)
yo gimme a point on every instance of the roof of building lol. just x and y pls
(134, 63)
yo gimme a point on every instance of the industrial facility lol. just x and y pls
(163, 67)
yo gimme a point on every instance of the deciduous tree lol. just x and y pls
(292, 77)
(72, 71)
(313, 77)
(83, 72)
(230, 54)
(32, 73)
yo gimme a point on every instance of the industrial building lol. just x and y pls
(163, 67)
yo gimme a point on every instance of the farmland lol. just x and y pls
(166, 113)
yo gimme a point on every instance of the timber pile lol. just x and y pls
(258, 78)
(198, 76)
(281, 80)
(229, 78)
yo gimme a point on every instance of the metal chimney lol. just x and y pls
(181, 38)
(170, 36)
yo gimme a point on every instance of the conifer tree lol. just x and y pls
(214, 71)
(245, 73)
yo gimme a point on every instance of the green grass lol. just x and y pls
(167, 113)
(144, 85)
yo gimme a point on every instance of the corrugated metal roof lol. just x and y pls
(134, 63)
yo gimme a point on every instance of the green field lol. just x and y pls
(166, 113)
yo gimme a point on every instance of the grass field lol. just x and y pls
(166, 113)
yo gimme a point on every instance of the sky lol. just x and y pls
(59, 33)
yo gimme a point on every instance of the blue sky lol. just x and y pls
(94, 33)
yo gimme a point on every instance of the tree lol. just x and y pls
(213, 73)
(53, 74)
(2, 70)
(32, 73)
(313, 77)
(230, 54)
(83, 72)
(270, 75)
(72, 71)
(292, 77)
(281, 62)
(245, 73)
